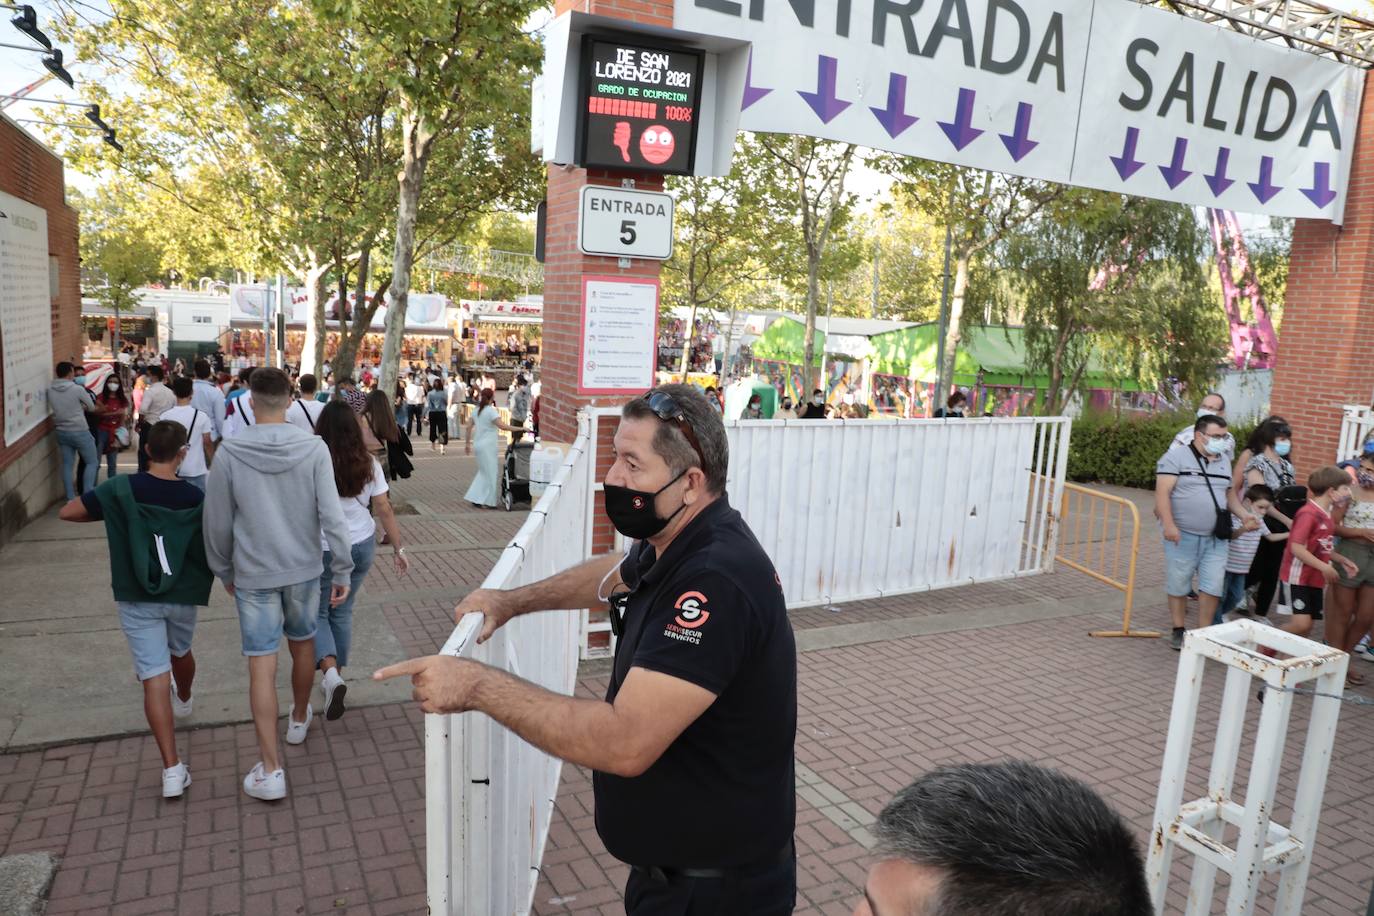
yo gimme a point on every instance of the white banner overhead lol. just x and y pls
(1106, 94)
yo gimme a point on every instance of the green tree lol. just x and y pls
(979, 209)
(116, 249)
(809, 206)
(1116, 279)
(460, 72)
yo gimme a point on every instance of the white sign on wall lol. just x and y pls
(620, 223)
(619, 328)
(25, 315)
(1101, 93)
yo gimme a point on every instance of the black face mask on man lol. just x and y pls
(632, 512)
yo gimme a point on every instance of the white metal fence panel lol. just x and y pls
(1356, 425)
(858, 509)
(489, 795)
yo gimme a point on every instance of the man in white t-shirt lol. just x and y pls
(305, 410)
(241, 418)
(1214, 405)
(415, 403)
(200, 433)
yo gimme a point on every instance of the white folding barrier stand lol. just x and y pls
(1199, 826)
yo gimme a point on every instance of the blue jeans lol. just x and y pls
(1195, 553)
(266, 613)
(334, 634)
(157, 633)
(72, 443)
(1232, 597)
(102, 442)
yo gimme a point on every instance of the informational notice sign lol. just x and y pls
(620, 223)
(25, 315)
(619, 335)
(1104, 94)
(639, 106)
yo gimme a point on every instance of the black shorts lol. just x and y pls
(1299, 599)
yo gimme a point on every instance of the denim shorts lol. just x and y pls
(1194, 553)
(156, 633)
(266, 613)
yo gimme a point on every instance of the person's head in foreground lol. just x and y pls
(1003, 839)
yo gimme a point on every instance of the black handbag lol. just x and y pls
(1222, 528)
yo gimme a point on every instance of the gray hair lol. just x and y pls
(1015, 839)
(672, 446)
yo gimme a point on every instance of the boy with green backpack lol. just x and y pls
(160, 575)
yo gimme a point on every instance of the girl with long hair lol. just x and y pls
(485, 490)
(436, 404)
(381, 420)
(362, 493)
(114, 413)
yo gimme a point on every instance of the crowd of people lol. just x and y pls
(1258, 541)
(273, 483)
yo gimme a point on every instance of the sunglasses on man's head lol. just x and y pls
(667, 409)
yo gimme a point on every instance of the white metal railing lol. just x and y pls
(857, 509)
(1357, 423)
(489, 795)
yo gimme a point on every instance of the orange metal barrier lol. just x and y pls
(1093, 528)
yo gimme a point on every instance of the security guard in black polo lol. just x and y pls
(692, 749)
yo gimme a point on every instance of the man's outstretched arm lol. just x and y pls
(573, 588)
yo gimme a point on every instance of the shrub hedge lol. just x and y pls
(1104, 448)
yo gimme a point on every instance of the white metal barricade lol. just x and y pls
(856, 509)
(489, 795)
(1356, 424)
(1200, 826)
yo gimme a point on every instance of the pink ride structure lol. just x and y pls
(1254, 343)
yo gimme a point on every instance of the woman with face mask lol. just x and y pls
(1352, 598)
(114, 413)
(1269, 447)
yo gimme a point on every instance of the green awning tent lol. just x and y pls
(909, 350)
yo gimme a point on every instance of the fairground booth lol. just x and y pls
(432, 323)
(891, 366)
(500, 337)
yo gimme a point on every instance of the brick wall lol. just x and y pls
(1326, 348)
(565, 266)
(28, 469)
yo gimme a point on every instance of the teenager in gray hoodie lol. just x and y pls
(70, 403)
(271, 491)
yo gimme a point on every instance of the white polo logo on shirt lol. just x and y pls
(691, 614)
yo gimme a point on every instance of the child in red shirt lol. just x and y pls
(1306, 566)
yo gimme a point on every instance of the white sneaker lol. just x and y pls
(295, 731)
(1362, 648)
(179, 709)
(334, 690)
(175, 780)
(263, 785)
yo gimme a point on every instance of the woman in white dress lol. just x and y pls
(485, 489)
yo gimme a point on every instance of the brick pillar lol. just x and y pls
(565, 266)
(1326, 343)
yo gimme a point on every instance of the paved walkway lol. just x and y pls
(889, 688)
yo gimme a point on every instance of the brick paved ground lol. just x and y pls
(350, 839)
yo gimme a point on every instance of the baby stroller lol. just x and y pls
(515, 473)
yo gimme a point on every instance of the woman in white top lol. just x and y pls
(362, 491)
(485, 489)
(1352, 606)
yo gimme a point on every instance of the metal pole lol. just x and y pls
(944, 311)
(281, 321)
(266, 325)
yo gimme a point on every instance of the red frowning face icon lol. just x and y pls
(656, 144)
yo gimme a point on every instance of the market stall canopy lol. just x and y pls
(910, 350)
(91, 308)
(527, 311)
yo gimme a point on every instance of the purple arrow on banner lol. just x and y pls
(1265, 189)
(1127, 164)
(961, 131)
(1321, 192)
(1218, 181)
(1018, 142)
(894, 117)
(1174, 173)
(752, 93)
(823, 101)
